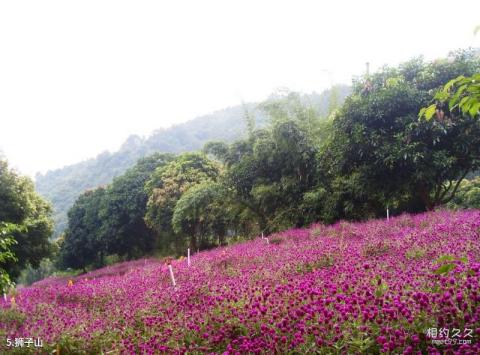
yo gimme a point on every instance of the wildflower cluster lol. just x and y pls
(372, 287)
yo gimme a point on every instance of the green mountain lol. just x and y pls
(63, 186)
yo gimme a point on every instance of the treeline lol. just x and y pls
(371, 153)
(63, 186)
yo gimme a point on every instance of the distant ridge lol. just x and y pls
(63, 186)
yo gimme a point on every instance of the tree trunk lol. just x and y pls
(193, 238)
(221, 239)
(425, 197)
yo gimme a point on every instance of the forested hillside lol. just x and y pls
(63, 186)
(375, 152)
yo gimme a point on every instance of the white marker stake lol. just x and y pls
(262, 235)
(388, 214)
(5, 297)
(171, 276)
(188, 256)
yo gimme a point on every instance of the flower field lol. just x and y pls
(408, 285)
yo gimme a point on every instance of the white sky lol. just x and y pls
(78, 77)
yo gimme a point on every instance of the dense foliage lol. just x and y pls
(82, 243)
(468, 195)
(25, 222)
(203, 212)
(364, 288)
(64, 185)
(379, 154)
(370, 154)
(110, 220)
(124, 207)
(272, 170)
(6, 255)
(191, 201)
(460, 95)
(166, 186)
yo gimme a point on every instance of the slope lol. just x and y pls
(361, 287)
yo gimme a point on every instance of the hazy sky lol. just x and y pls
(78, 77)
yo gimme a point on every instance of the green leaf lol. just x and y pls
(474, 85)
(475, 109)
(463, 102)
(430, 111)
(456, 97)
(422, 112)
(441, 96)
(444, 269)
(452, 82)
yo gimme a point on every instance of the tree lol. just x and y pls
(217, 150)
(271, 171)
(285, 106)
(203, 213)
(22, 207)
(82, 243)
(14, 193)
(167, 185)
(123, 227)
(33, 239)
(109, 220)
(389, 157)
(6, 254)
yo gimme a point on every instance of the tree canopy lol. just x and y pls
(203, 211)
(109, 220)
(6, 254)
(123, 226)
(167, 185)
(386, 155)
(82, 242)
(25, 220)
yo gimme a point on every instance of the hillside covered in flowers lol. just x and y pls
(406, 285)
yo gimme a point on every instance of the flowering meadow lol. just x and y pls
(408, 285)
